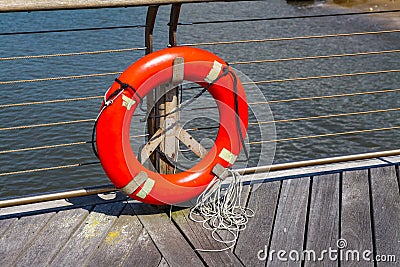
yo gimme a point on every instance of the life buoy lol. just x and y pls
(113, 126)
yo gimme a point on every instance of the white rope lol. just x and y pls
(221, 211)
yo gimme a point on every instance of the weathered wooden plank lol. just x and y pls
(56, 205)
(144, 252)
(289, 227)
(19, 235)
(32, 5)
(169, 241)
(356, 215)
(323, 222)
(88, 236)
(19, 211)
(263, 201)
(392, 159)
(163, 263)
(201, 239)
(52, 238)
(386, 212)
(5, 223)
(118, 241)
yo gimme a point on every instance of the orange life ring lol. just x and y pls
(112, 128)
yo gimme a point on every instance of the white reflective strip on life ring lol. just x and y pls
(220, 171)
(127, 102)
(227, 156)
(214, 72)
(148, 185)
(134, 184)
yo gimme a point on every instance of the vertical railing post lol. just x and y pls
(173, 24)
(170, 145)
(162, 100)
(150, 22)
(150, 98)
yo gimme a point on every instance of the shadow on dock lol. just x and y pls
(356, 206)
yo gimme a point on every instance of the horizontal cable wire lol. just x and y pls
(307, 118)
(74, 53)
(195, 129)
(199, 22)
(48, 168)
(81, 143)
(21, 127)
(313, 57)
(327, 116)
(324, 135)
(249, 143)
(254, 103)
(73, 30)
(50, 101)
(288, 17)
(291, 38)
(43, 147)
(326, 96)
(245, 83)
(61, 78)
(322, 77)
(314, 98)
(231, 63)
(212, 127)
(311, 118)
(45, 124)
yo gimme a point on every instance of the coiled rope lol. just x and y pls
(221, 211)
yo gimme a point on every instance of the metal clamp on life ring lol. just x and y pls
(125, 95)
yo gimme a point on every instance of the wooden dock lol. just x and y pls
(354, 206)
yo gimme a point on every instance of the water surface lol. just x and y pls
(36, 44)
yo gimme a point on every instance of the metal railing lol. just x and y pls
(12, 82)
(32, 5)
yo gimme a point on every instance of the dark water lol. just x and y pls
(36, 44)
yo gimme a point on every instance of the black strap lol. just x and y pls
(236, 104)
(133, 90)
